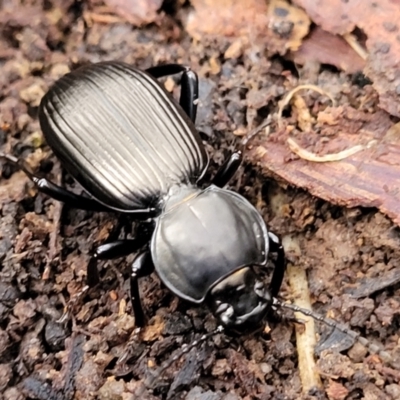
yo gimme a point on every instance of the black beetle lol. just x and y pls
(135, 150)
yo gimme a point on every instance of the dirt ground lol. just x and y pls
(351, 255)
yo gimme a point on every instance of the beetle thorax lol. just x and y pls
(204, 236)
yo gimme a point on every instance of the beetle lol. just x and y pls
(135, 150)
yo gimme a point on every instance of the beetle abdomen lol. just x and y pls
(206, 237)
(120, 135)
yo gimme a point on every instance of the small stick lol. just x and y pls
(305, 335)
(54, 234)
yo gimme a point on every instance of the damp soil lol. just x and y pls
(351, 255)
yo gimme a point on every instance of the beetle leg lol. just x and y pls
(56, 192)
(109, 251)
(275, 245)
(65, 196)
(189, 85)
(228, 169)
(142, 266)
(71, 199)
(189, 93)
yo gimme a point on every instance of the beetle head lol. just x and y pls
(240, 302)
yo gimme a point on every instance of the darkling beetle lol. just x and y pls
(136, 151)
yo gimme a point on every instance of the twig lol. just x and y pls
(54, 237)
(305, 335)
(341, 155)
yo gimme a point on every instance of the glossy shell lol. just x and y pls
(120, 135)
(205, 236)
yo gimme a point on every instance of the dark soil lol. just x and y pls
(351, 255)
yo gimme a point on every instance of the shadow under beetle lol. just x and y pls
(135, 150)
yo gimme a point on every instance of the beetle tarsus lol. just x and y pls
(82, 202)
(54, 191)
(142, 266)
(65, 196)
(228, 169)
(119, 248)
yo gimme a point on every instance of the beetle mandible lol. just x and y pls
(136, 151)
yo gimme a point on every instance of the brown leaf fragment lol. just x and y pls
(378, 21)
(136, 12)
(325, 48)
(368, 178)
(336, 391)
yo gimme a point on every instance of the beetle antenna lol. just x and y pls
(373, 349)
(186, 348)
(256, 131)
